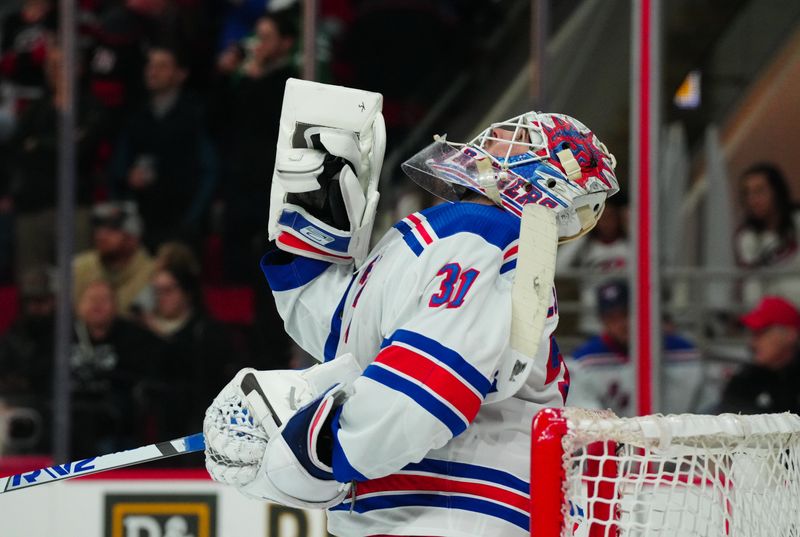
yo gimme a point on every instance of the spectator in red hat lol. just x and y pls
(772, 382)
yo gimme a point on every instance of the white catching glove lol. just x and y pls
(327, 166)
(245, 425)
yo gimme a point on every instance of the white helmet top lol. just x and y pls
(550, 159)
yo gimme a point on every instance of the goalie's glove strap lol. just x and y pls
(326, 203)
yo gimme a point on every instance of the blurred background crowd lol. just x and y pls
(178, 104)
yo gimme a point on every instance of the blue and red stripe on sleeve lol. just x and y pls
(436, 377)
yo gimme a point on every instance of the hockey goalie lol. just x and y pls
(436, 346)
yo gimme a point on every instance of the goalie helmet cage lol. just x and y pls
(596, 475)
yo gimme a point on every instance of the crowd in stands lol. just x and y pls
(178, 104)
(177, 116)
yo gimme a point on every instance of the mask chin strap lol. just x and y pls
(486, 177)
(587, 218)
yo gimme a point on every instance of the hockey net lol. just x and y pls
(596, 475)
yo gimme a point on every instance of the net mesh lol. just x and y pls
(684, 475)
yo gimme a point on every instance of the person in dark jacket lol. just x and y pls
(111, 357)
(34, 169)
(772, 382)
(26, 363)
(164, 159)
(24, 39)
(197, 351)
(248, 108)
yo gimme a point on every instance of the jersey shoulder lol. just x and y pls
(494, 226)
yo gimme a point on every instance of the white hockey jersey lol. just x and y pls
(428, 317)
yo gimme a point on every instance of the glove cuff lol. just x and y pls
(307, 236)
(292, 471)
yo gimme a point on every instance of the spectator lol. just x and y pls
(164, 160)
(114, 34)
(26, 350)
(110, 358)
(32, 185)
(603, 376)
(172, 254)
(249, 107)
(238, 19)
(24, 40)
(600, 256)
(179, 256)
(26, 364)
(768, 235)
(197, 351)
(117, 256)
(772, 382)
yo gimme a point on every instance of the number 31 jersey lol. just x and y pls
(431, 446)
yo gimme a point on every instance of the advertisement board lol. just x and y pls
(137, 503)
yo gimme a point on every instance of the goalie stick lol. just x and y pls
(102, 463)
(533, 278)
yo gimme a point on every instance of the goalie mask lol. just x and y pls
(549, 159)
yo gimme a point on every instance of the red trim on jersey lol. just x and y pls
(420, 227)
(434, 377)
(413, 483)
(511, 251)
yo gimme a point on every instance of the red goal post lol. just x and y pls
(596, 475)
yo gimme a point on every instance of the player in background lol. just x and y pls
(418, 421)
(603, 375)
(599, 256)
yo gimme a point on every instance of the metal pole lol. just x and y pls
(310, 39)
(65, 228)
(541, 23)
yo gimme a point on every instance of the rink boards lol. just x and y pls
(154, 503)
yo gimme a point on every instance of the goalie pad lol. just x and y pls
(327, 168)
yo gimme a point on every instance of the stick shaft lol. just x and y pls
(102, 463)
(533, 278)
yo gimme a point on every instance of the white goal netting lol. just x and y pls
(684, 475)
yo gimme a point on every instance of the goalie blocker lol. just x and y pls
(327, 167)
